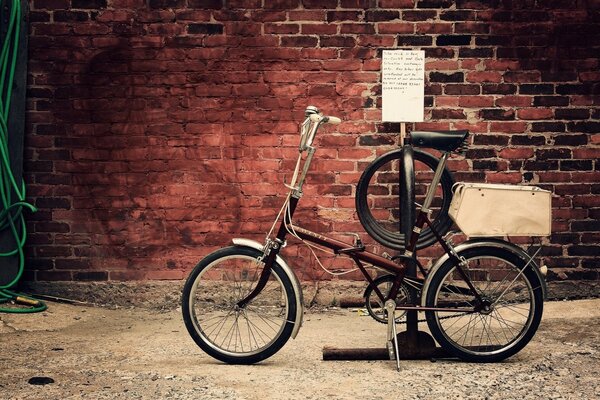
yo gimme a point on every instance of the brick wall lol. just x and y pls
(160, 129)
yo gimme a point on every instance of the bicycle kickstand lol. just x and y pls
(392, 337)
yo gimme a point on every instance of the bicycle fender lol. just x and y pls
(473, 243)
(289, 273)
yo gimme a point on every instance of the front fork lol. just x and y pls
(270, 252)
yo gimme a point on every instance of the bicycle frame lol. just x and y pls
(357, 252)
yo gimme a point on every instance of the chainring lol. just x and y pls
(374, 305)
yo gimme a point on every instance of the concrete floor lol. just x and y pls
(97, 353)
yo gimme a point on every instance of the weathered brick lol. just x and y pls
(550, 101)
(541, 88)
(70, 16)
(500, 88)
(484, 76)
(457, 15)
(572, 113)
(434, 4)
(439, 52)
(205, 29)
(497, 114)
(209, 4)
(534, 113)
(547, 127)
(395, 28)
(453, 40)
(53, 202)
(522, 140)
(587, 126)
(414, 40)
(91, 4)
(464, 52)
(299, 41)
(320, 29)
(337, 41)
(571, 140)
(475, 101)
(52, 4)
(381, 15)
(333, 16)
(576, 165)
(448, 114)
(396, 3)
(462, 89)
(443, 77)
(556, 153)
(420, 15)
(357, 28)
(490, 140)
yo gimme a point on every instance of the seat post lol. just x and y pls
(434, 182)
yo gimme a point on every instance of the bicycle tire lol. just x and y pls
(223, 330)
(515, 301)
(382, 231)
(407, 193)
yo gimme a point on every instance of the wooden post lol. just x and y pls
(402, 133)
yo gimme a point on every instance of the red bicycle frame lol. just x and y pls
(358, 254)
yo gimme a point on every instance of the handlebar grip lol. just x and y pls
(327, 120)
(316, 117)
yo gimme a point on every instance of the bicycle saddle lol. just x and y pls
(439, 140)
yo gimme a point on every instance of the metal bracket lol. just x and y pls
(392, 335)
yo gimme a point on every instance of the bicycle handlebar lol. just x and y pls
(308, 131)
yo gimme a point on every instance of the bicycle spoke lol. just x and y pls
(256, 332)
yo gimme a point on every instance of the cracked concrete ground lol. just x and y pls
(98, 353)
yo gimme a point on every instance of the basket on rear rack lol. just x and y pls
(501, 210)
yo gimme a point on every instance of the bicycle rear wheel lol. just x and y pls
(512, 305)
(225, 331)
(377, 202)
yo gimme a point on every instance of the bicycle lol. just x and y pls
(483, 299)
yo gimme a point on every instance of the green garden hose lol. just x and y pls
(11, 214)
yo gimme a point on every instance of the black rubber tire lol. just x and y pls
(395, 239)
(229, 298)
(529, 283)
(407, 193)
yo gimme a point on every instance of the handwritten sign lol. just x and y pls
(403, 86)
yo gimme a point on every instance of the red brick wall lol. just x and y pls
(160, 129)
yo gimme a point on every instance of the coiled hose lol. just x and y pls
(12, 195)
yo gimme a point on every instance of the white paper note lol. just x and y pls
(403, 85)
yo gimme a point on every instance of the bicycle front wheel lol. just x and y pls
(377, 202)
(509, 312)
(225, 331)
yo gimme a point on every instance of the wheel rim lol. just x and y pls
(507, 310)
(221, 323)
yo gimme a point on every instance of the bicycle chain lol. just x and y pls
(441, 318)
